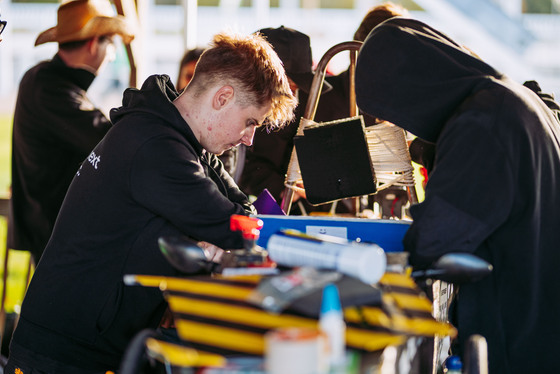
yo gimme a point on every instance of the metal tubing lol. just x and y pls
(313, 101)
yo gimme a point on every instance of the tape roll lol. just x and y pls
(296, 350)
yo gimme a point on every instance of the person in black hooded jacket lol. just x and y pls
(493, 188)
(56, 125)
(154, 174)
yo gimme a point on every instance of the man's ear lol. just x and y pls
(222, 97)
(92, 45)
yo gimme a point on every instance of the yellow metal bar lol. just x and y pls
(222, 337)
(237, 314)
(182, 356)
(412, 302)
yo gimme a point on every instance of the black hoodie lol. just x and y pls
(493, 190)
(148, 177)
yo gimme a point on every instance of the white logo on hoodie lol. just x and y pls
(94, 159)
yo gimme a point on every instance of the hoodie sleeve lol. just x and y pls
(458, 213)
(233, 192)
(168, 178)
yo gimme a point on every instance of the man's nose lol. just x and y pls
(247, 138)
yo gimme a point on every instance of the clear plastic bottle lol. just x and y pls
(331, 323)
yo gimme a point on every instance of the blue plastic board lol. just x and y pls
(388, 234)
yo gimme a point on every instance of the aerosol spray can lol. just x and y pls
(365, 261)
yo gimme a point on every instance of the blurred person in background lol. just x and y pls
(493, 188)
(336, 103)
(55, 124)
(186, 67)
(267, 160)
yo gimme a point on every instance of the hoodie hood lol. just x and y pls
(155, 98)
(414, 76)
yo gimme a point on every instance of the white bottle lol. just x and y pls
(365, 261)
(331, 323)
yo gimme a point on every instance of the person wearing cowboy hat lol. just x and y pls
(55, 124)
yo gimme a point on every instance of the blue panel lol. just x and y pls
(388, 234)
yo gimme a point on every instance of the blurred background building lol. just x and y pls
(518, 37)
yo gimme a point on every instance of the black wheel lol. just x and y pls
(135, 359)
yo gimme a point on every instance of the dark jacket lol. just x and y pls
(493, 190)
(149, 177)
(55, 128)
(423, 152)
(267, 160)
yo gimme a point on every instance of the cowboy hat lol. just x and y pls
(84, 19)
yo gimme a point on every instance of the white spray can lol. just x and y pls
(365, 261)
